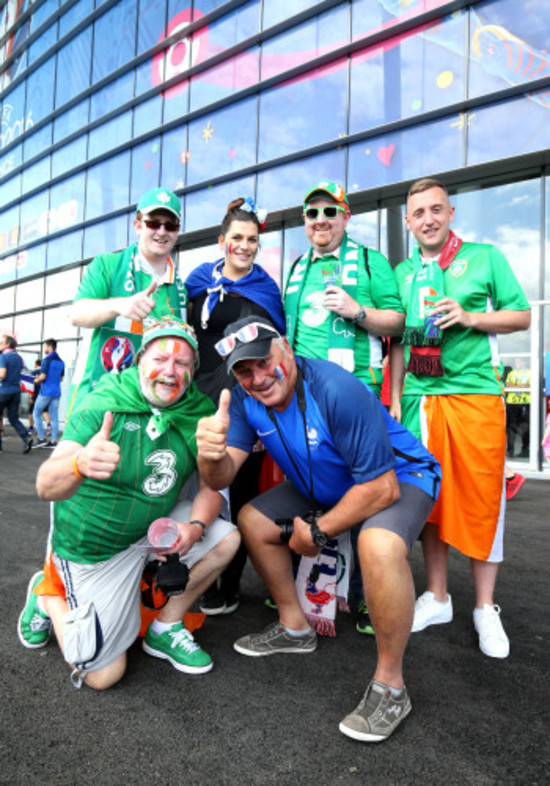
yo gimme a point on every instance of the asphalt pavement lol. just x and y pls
(255, 721)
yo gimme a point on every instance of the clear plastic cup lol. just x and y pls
(163, 533)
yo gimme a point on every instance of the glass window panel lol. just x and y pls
(410, 74)
(363, 227)
(35, 143)
(7, 299)
(114, 39)
(114, 172)
(29, 294)
(222, 141)
(283, 186)
(8, 162)
(47, 37)
(234, 74)
(205, 6)
(106, 236)
(112, 96)
(282, 10)
(34, 217)
(64, 249)
(62, 286)
(6, 325)
(270, 254)
(69, 156)
(31, 260)
(9, 231)
(145, 168)
(403, 155)
(110, 134)
(525, 120)
(14, 119)
(147, 116)
(40, 91)
(73, 67)
(67, 202)
(8, 267)
(70, 121)
(180, 55)
(175, 158)
(313, 38)
(56, 323)
(28, 327)
(295, 245)
(300, 101)
(151, 23)
(208, 206)
(36, 175)
(190, 258)
(74, 15)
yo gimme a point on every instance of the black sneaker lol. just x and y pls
(377, 715)
(28, 445)
(212, 602)
(50, 444)
(274, 639)
(40, 443)
(231, 601)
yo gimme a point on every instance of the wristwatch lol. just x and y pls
(319, 537)
(360, 316)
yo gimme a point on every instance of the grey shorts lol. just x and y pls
(406, 517)
(112, 587)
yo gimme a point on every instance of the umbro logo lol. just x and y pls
(131, 426)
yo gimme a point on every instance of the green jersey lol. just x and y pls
(376, 288)
(480, 279)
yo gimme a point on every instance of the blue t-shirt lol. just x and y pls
(13, 364)
(54, 368)
(351, 437)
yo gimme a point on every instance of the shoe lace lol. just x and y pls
(362, 608)
(273, 629)
(182, 638)
(491, 621)
(38, 623)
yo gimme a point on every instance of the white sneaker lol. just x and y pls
(429, 611)
(493, 641)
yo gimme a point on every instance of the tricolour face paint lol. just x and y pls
(228, 249)
(281, 372)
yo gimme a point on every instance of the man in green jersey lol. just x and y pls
(121, 292)
(340, 300)
(458, 296)
(125, 455)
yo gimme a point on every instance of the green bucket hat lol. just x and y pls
(327, 187)
(159, 199)
(164, 328)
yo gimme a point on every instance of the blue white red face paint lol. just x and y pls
(281, 372)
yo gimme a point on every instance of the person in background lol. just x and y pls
(458, 296)
(340, 300)
(52, 371)
(11, 365)
(123, 291)
(219, 293)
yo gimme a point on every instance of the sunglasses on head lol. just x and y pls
(154, 224)
(245, 335)
(330, 212)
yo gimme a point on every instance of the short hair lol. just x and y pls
(51, 342)
(236, 213)
(424, 184)
(10, 341)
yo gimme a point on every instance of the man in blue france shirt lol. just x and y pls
(11, 365)
(350, 462)
(50, 375)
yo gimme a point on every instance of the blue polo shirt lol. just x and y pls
(54, 368)
(351, 439)
(13, 364)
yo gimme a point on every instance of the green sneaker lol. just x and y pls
(363, 623)
(33, 627)
(177, 646)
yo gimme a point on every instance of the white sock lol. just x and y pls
(296, 633)
(396, 692)
(162, 627)
(40, 605)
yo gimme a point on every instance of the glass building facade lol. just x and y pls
(100, 101)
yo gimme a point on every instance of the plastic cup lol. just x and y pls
(163, 533)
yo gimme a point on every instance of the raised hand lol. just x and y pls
(139, 305)
(212, 431)
(100, 457)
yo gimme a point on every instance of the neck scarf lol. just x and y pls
(128, 277)
(122, 393)
(256, 285)
(427, 288)
(341, 335)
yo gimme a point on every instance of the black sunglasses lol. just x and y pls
(154, 224)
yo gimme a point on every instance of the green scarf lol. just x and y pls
(428, 286)
(122, 393)
(341, 336)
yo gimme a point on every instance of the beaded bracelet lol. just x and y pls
(201, 524)
(76, 471)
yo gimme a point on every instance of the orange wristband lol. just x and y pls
(76, 471)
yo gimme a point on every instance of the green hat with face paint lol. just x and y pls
(167, 327)
(324, 189)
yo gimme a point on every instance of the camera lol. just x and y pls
(287, 525)
(160, 580)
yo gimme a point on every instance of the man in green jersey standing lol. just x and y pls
(340, 300)
(121, 292)
(124, 457)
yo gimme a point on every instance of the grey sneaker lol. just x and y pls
(377, 715)
(275, 639)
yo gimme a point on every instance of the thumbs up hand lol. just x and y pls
(139, 305)
(100, 457)
(212, 431)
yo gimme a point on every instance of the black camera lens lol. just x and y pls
(287, 528)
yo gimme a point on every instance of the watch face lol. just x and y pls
(320, 538)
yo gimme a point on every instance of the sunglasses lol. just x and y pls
(154, 224)
(245, 335)
(329, 212)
